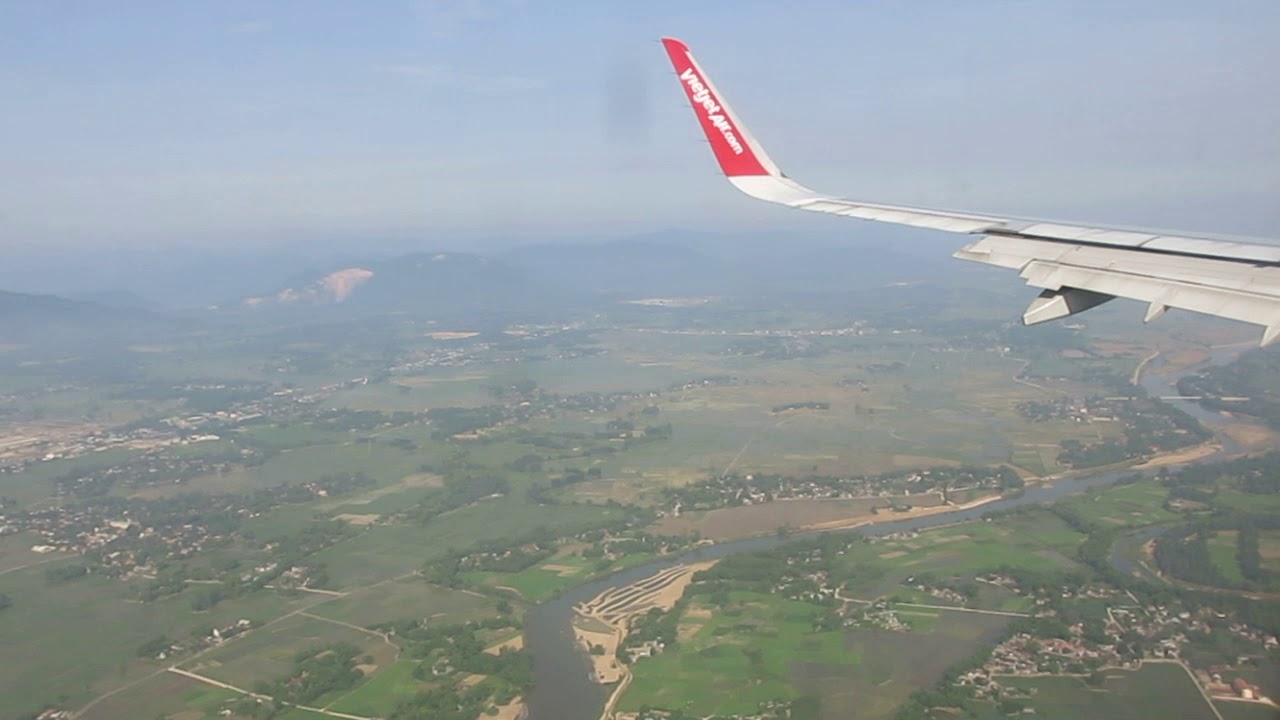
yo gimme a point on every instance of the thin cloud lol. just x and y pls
(445, 76)
(250, 27)
(442, 17)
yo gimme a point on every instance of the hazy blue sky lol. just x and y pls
(200, 122)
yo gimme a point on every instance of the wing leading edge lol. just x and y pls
(1076, 266)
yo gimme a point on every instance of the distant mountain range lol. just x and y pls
(27, 318)
(435, 281)
(527, 282)
(553, 275)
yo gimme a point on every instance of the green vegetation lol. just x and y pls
(1157, 690)
(1254, 375)
(289, 484)
(316, 672)
(381, 695)
(743, 652)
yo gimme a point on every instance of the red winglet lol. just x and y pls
(729, 140)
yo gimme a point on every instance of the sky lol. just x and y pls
(163, 124)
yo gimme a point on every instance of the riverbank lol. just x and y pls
(894, 516)
(602, 624)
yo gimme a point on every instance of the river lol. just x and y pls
(562, 687)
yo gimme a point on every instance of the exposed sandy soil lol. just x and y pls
(891, 516)
(605, 619)
(515, 643)
(408, 482)
(511, 711)
(919, 461)
(449, 335)
(606, 667)
(1253, 437)
(358, 519)
(1179, 457)
(562, 570)
(737, 522)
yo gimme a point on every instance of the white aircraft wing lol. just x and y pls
(1078, 266)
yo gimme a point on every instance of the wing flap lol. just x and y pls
(1223, 302)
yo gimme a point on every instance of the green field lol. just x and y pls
(1034, 540)
(160, 696)
(79, 638)
(555, 575)
(380, 695)
(762, 648)
(403, 598)
(714, 671)
(1158, 690)
(1222, 551)
(1269, 548)
(268, 654)
(1134, 504)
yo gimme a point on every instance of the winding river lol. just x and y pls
(562, 687)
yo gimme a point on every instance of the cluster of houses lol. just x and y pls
(115, 541)
(18, 452)
(733, 490)
(1155, 631)
(128, 541)
(1077, 409)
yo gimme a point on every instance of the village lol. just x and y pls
(755, 489)
(135, 538)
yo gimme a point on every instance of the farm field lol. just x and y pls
(764, 519)
(380, 552)
(160, 696)
(554, 575)
(407, 597)
(379, 696)
(268, 653)
(1269, 549)
(1137, 503)
(82, 635)
(930, 411)
(1222, 552)
(761, 647)
(1034, 541)
(1163, 690)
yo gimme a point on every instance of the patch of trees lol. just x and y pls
(460, 644)
(317, 672)
(1248, 554)
(1151, 427)
(65, 574)
(1255, 375)
(345, 420)
(529, 462)
(1184, 552)
(946, 693)
(450, 421)
(154, 646)
(656, 625)
(1258, 475)
(459, 491)
(811, 405)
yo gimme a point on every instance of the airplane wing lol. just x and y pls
(1077, 266)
